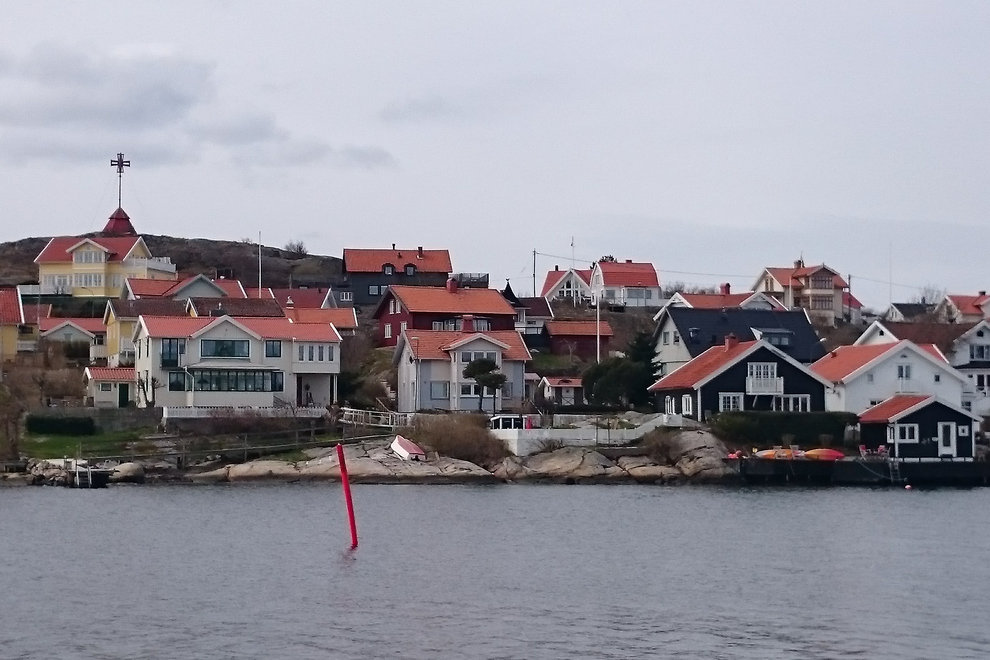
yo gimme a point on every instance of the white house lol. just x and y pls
(226, 361)
(109, 387)
(627, 283)
(570, 284)
(430, 366)
(865, 375)
(76, 331)
(562, 391)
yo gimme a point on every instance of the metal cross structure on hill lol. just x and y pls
(120, 164)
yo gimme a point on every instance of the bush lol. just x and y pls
(462, 436)
(60, 425)
(778, 428)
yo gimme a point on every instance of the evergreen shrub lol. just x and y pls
(55, 425)
(764, 429)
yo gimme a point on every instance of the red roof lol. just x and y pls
(94, 325)
(119, 225)
(358, 260)
(435, 344)
(792, 276)
(175, 326)
(844, 360)
(119, 374)
(892, 407)
(628, 274)
(555, 381)
(146, 288)
(301, 298)
(688, 375)
(34, 311)
(554, 277)
(343, 318)
(723, 300)
(252, 292)
(437, 299)
(850, 301)
(10, 307)
(232, 288)
(578, 328)
(57, 250)
(969, 305)
(265, 327)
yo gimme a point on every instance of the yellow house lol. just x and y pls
(11, 320)
(99, 265)
(120, 318)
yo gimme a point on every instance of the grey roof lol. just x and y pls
(537, 307)
(261, 307)
(911, 310)
(700, 329)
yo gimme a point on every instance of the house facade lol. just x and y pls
(109, 387)
(817, 289)
(920, 427)
(724, 299)
(11, 323)
(959, 308)
(626, 284)
(448, 307)
(683, 333)
(226, 361)
(572, 284)
(88, 331)
(430, 370)
(120, 318)
(752, 375)
(196, 286)
(99, 265)
(863, 376)
(562, 391)
(368, 273)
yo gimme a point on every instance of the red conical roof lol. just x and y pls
(119, 225)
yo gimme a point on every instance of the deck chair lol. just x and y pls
(863, 451)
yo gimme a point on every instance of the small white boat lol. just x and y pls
(407, 449)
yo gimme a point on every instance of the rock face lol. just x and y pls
(697, 454)
(565, 465)
(128, 473)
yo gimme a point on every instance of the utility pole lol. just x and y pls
(120, 164)
(534, 273)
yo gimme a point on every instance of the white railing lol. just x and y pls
(27, 345)
(384, 419)
(757, 385)
(154, 263)
(203, 412)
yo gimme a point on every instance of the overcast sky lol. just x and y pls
(711, 139)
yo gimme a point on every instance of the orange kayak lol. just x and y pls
(823, 454)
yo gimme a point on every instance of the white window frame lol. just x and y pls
(668, 405)
(388, 331)
(687, 404)
(731, 401)
(762, 370)
(906, 433)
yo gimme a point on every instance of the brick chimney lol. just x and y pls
(467, 323)
(731, 341)
(419, 252)
(451, 285)
(725, 289)
(628, 261)
(799, 263)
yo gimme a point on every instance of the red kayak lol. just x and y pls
(823, 454)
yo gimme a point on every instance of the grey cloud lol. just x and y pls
(419, 109)
(239, 131)
(365, 157)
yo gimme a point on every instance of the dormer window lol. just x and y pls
(410, 270)
(388, 269)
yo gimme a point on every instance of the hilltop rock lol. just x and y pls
(568, 464)
(697, 454)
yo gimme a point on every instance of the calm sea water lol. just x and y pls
(494, 572)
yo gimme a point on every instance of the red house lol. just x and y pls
(578, 338)
(441, 308)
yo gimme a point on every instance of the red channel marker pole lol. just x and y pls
(346, 485)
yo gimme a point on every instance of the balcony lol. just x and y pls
(27, 345)
(163, 264)
(756, 385)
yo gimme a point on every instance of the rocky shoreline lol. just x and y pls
(687, 456)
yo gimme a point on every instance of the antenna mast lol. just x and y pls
(120, 164)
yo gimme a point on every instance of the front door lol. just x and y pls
(947, 439)
(123, 395)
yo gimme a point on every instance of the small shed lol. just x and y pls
(110, 387)
(562, 391)
(920, 426)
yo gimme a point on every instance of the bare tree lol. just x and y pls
(297, 248)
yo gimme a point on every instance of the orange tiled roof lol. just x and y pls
(895, 405)
(56, 251)
(555, 276)
(716, 300)
(265, 327)
(851, 301)
(94, 325)
(577, 328)
(148, 288)
(357, 260)
(628, 273)
(790, 276)
(253, 292)
(34, 311)
(435, 344)
(437, 299)
(343, 317)
(10, 307)
(232, 288)
(555, 381)
(119, 374)
(969, 305)
(844, 360)
(686, 376)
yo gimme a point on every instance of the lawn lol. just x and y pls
(39, 445)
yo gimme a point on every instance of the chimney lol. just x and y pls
(419, 252)
(982, 293)
(393, 246)
(628, 261)
(467, 323)
(799, 263)
(451, 285)
(288, 301)
(725, 288)
(556, 267)
(731, 341)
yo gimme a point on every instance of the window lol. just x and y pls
(403, 326)
(730, 401)
(388, 269)
(869, 378)
(177, 381)
(273, 348)
(346, 296)
(821, 282)
(686, 405)
(374, 290)
(765, 370)
(388, 331)
(821, 302)
(609, 294)
(302, 353)
(904, 372)
(105, 387)
(677, 338)
(439, 389)
(665, 337)
(963, 430)
(979, 352)
(319, 353)
(312, 352)
(967, 405)
(875, 402)
(634, 294)
(482, 325)
(171, 350)
(229, 380)
(938, 378)
(473, 389)
(225, 348)
(507, 389)
(468, 356)
(410, 270)
(906, 432)
(89, 279)
(792, 403)
(330, 353)
(777, 338)
(668, 405)
(391, 306)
